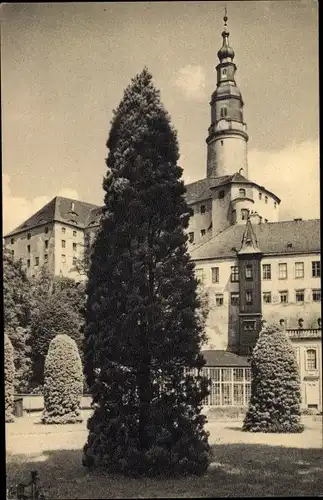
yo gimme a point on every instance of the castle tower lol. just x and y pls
(227, 138)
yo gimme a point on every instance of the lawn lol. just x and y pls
(244, 464)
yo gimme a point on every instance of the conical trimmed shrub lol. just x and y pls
(63, 384)
(9, 374)
(275, 388)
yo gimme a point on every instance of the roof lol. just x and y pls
(224, 358)
(59, 209)
(272, 238)
(201, 190)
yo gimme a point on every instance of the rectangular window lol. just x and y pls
(266, 297)
(28, 263)
(199, 275)
(28, 236)
(63, 257)
(226, 374)
(249, 325)
(244, 213)
(234, 274)
(299, 269)
(63, 230)
(299, 295)
(219, 299)
(249, 297)
(238, 374)
(311, 359)
(260, 196)
(203, 209)
(215, 274)
(46, 258)
(316, 269)
(74, 261)
(28, 248)
(248, 272)
(46, 244)
(266, 199)
(238, 394)
(191, 237)
(316, 295)
(74, 246)
(36, 261)
(63, 243)
(202, 232)
(12, 252)
(74, 234)
(283, 297)
(282, 271)
(12, 241)
(266, 271)
(234, 299)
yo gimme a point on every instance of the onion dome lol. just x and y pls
(226, 51)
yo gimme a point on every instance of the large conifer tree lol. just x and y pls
(144, 329)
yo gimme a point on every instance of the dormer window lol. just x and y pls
(242, 192)
(203, 209)
(221, 194)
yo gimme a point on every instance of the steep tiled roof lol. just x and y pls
(58, 209)
(201, 190)
(224, 358)
(286, 237)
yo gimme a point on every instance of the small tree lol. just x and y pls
(9, 374)
(63, 382)
(58, 310)
(275, 388)
(20, 339)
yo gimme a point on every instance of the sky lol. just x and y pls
(65, 66)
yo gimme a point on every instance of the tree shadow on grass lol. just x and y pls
(237, 470)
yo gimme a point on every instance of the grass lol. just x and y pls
(244, 464)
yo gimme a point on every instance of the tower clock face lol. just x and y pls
(221, 125)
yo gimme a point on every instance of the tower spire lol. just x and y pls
(226, 53)
(227, 134)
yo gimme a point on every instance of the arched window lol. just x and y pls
(223, 112)
(311, 361)
(242, 192)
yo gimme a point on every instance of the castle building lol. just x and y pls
(253, 267)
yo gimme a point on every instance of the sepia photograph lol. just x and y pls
(161, 249)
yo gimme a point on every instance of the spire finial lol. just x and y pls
(225, 16)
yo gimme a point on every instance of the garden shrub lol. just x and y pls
(275, 387)
(9, 374)
(63, 382)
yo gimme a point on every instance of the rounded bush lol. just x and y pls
(275, 387)
(9, 374)
(63, 382)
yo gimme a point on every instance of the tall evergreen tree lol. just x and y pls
(275, 387)
(144, 327)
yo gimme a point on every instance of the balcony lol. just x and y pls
(305, 333)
